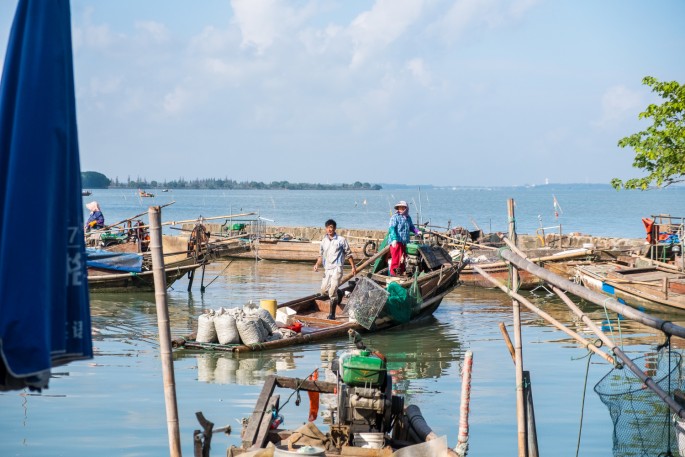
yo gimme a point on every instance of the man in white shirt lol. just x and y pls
(332, 253)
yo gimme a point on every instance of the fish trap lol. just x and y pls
(642, 421)
(366, 302)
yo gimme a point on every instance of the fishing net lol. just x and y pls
(365, 302)
(642, 421)
(403, 303)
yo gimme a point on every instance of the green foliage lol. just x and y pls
(660, 149)
(212, 183)
(94, 180)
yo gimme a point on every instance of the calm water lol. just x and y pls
(113, 405)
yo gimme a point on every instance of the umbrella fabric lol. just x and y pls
(44, 307)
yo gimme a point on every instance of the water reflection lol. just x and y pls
(232, 369)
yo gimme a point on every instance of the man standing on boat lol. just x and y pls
(332, 253)
(401, 226)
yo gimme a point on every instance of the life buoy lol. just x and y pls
(369, 248)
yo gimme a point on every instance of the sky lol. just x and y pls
(448, 93)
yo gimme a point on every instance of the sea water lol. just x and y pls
(113, 405)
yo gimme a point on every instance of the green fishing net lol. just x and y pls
(403, 303)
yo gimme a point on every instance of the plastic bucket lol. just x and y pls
(282, 451)
(369, 440)
(270, 306)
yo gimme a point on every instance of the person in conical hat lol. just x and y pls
(401, 226)
(96, 220)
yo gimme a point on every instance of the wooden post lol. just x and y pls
(154, 214)
(463, 436)
(518, 352)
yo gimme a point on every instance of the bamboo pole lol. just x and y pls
(365, 264)
(229, 216)
(675, 407)
(594, 297)
(154, 215)
(518, 350)
(546, 317)
(133, 217)
(463, 436)
(614, 305)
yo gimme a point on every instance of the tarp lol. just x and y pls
(115, 261)
(44, 308)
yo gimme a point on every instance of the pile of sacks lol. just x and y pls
(247, 325)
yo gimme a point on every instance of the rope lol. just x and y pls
(611, 327)
(296, 391)
(220, 273)
(582, 403)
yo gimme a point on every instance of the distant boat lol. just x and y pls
(165, 190)
(142, 193)
(86, 193)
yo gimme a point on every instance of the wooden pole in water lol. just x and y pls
(518, 351)
(154, 214)
(463, 436)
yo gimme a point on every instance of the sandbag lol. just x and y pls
(250, 330)
(206, 332)
(226, 328)
(268, 320)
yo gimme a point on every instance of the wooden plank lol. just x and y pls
(306, 385)
(258, 413)
(265, 424)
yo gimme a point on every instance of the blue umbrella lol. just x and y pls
(44, 307)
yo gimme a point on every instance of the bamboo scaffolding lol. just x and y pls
(560, 283)
(594, 297)
(547, 317)
(518, 349)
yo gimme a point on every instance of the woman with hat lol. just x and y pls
(401, 226)
(96, 220)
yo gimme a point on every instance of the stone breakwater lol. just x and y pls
(525, 241)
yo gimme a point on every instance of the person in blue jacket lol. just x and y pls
(401, 226)
(96, 220)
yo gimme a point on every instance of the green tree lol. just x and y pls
(660, 149)
(94, 180)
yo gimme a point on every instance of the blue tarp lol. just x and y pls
(115, 261)
(44, 307)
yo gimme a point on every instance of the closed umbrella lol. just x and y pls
(44, 307)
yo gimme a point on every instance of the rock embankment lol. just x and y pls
(570, 240)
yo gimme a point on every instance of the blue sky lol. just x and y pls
(466, 92)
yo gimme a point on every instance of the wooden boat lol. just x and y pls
(100, 281)
(106, 280)
(437, 276)
(368, 420)
(652, 286)
(287, 250)
(561, 262)
(142, 193)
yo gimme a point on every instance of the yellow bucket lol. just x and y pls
(270, 306)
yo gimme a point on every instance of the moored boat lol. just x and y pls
(128, 272)
(366, 417)
(142, 193)
(561, 262)
(372, 302)
(649, 286)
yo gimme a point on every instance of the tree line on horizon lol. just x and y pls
(96, 180)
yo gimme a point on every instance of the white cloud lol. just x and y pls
(372, 31)
(154, 30)
(176, 101)
(618, 104)
(418, 69)
(262, 22)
